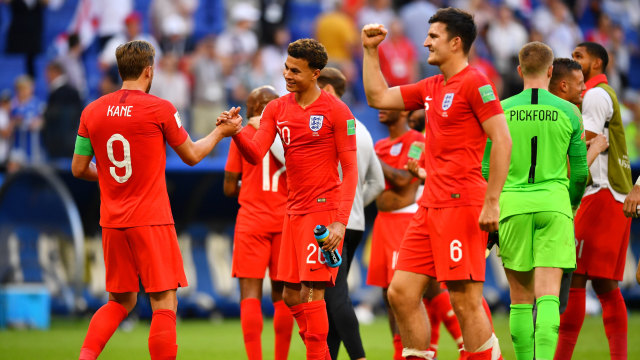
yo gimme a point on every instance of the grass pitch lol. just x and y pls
(222, 339)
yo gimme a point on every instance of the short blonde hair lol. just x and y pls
(535, 58)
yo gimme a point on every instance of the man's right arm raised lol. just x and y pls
(378, 93)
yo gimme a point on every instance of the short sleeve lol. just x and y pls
(344, 128)
(413, 95)
(597, 108)
(482, 97)
(82, 129)
(171, 124)
(234, 159)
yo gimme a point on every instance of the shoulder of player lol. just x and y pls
(596, 94)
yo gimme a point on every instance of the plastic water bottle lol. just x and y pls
(332, 258)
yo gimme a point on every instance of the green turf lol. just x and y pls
(204, 339)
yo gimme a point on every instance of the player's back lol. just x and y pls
(127, 130)
(542, 126)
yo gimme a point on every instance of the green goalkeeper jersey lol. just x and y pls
(545, 129)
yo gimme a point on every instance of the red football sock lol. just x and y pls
(570, 324)
(434, 321)
(103, 324)
(442, 305)
(282, 326)
(487, 309)
(614, 316)
(397, 347)
(162, 335)
(317, 330)
(298, 313)
(482, 355)
(251, 321)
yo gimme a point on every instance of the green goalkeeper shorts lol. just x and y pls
(541, 239)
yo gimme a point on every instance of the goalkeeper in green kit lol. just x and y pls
(537, 202)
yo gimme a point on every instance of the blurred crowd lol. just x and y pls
(204, 72)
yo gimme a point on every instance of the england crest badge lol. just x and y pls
(315, 122)
(395, 149)
(447, 101)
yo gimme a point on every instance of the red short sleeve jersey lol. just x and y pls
(312, 138)
(128, 130)
(263, 194)
(395, 152)
(454, 137)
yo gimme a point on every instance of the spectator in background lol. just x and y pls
(171, 84)
(274, 15)
(162, 9)
(602, 33)
(254, 75)
(376, 12)
(505, 38)
(413, 15)
(62, 113)
(236, 45)
(25, 30)
(563, 33)
(208, 88)
(6, 128)
(71, 61)
(110, 17)
(176, 37)
(26, 112)
(398, 60)
(337, 32)
(133, 31)
(274, 55)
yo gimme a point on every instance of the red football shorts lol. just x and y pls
(150, 253)
(388, 231)
(300, 259)
(253, 253)
(445, 243)
(602, 236)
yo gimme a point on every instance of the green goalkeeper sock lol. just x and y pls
(521, 325)
(547, 324)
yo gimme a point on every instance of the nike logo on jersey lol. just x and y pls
(282, 122)
(428, 98)
(315, 269)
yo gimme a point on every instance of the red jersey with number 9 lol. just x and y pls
(128, 130)
(263, 194)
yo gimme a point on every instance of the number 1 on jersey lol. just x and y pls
(534, 157)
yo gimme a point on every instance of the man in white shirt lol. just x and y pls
(601, 229)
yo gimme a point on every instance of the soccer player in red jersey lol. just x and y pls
(126, 131)
(317, 131)
(262, 197)
(447, 237)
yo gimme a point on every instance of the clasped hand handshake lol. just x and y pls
(230, 122)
